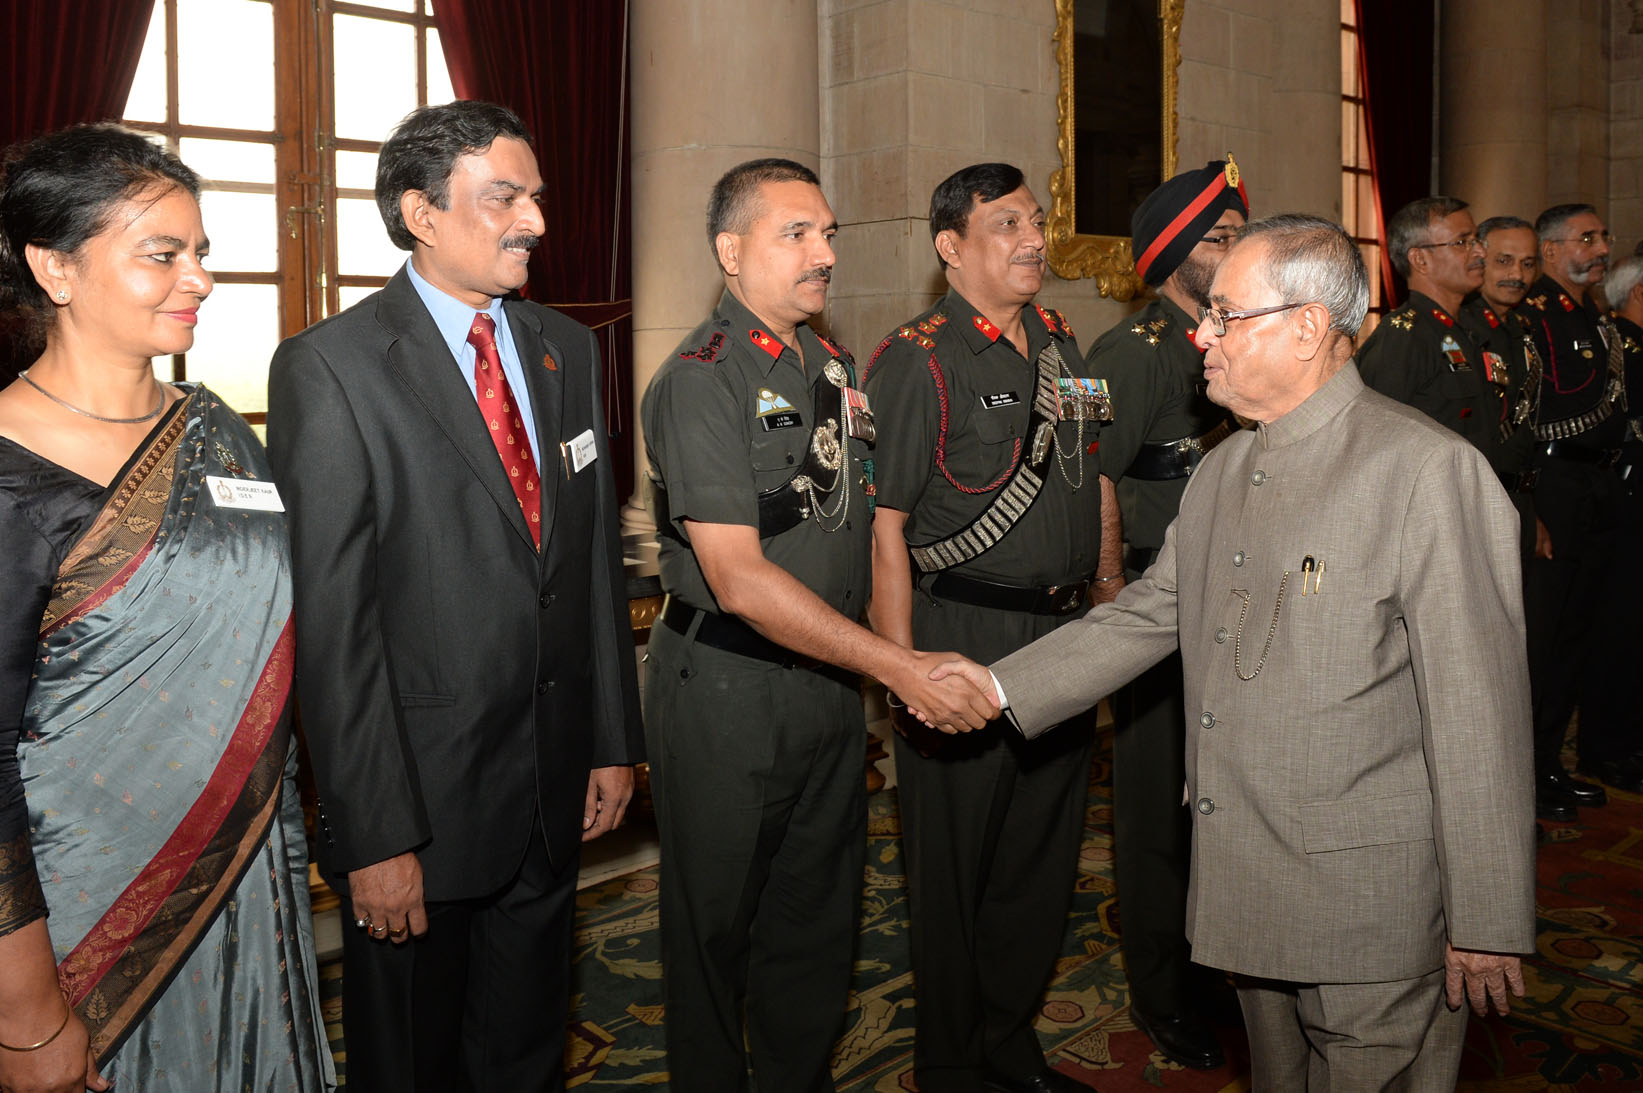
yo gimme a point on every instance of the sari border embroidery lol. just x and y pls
(121, 535)
(110, 941)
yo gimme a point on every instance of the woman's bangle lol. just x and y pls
(68, 1011)
(1104, 580)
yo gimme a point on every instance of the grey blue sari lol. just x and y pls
(158, 766)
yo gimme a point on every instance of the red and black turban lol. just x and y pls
(1174, 217)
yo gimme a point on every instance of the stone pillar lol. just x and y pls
(1494, 116)
(702, 74)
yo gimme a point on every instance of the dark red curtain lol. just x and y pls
(1395, 44)
(69, 61)
(561, 66)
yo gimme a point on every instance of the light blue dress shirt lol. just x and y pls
(454, 319)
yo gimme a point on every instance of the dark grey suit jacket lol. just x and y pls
(453, 681)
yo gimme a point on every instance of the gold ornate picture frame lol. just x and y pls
(1107, 258)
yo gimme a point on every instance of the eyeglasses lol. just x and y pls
(1465, 242)
(1585, 239)
(1218, 319)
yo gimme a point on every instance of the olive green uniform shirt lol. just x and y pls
(1156, 376)
(1426, 358)
(953, 399)
(729, 415)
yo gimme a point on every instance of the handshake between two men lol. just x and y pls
(958, 695)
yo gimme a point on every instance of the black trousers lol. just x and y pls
(992, 826)
(1152, 837)
(1571, 615)
(759, 778)
(1611, 719)
(478, 1003)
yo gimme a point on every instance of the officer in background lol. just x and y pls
(1578, 429)
(1423, 355)
(760, 460)
(1623, 290)
(1511, 262)
(989, 533)
(1163, 426)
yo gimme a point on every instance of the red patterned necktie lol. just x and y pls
(507, 425)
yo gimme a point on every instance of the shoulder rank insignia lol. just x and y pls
(933, 323)
(708, 352)
(1442, 316)
(987, 328)
(1537, 302)
(913, 335)
(1152, 332)
(1402, 320)
(765, 342)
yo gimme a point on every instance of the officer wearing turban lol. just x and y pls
(1163, 425)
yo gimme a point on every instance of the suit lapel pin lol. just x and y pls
(549, 363)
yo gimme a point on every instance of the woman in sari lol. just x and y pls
(154, 919)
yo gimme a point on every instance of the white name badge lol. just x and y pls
(579, 453)
(238, 493)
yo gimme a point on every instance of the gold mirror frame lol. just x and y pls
(1107, 258)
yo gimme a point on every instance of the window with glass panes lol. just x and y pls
(281, 106)
(1358, 212)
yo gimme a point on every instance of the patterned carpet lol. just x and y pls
(1580, 1027)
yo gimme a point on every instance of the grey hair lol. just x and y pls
(1312, 260)
(1411, 226)
(1558, 215)
(1500, 224)
(1622, 278)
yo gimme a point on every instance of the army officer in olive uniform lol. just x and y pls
(1424, 356)
(1510, 262)
(760, 450)
(989, 533)
(1163, 425)
(1579, 426)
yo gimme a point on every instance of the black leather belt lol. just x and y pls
(1519, 481)
(1163, 460)
(731, 635)
(1578, 453)
(1057, 599)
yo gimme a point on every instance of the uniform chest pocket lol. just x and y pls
(778, 454)
(1459, 386)
(999, 426)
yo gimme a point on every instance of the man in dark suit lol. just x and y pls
(465, 668)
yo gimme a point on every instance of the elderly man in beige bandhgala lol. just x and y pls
(1343, 582)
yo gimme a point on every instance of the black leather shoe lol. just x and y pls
(1561, 786)
(1182, 1037)
(1622, 774)
(1557, 812)
(1046, 1081)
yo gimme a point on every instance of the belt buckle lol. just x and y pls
(1065, 598)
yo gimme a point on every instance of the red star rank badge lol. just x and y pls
(992, 332)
